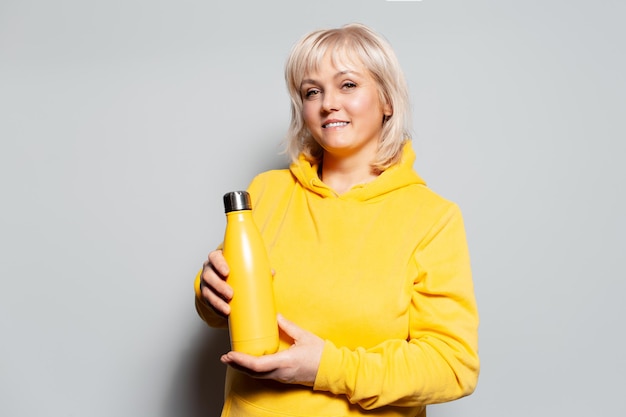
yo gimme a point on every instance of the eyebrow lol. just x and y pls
(337, 75)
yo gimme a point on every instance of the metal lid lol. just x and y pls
(237, 200)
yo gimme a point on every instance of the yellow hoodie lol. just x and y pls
(382, 274)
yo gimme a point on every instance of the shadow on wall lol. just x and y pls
(198, 383)
(198, 386)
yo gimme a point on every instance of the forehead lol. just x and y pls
(328, 65)
(334, 59)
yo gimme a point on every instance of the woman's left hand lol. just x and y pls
(296, 365)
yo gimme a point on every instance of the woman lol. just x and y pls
(371, 267)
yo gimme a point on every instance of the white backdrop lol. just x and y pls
(122, 123)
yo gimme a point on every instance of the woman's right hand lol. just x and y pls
(215, 290)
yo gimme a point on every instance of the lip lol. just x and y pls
(329, 121)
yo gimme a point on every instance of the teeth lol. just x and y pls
(335, 124)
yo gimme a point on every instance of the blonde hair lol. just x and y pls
(349, 44)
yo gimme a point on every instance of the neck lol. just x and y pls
(343, 174)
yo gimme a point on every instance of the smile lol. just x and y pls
(334, 124)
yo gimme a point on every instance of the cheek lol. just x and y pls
(309, 115)
(365, 105)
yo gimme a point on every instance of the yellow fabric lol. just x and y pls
(382, 273)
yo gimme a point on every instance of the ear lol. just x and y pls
(387, 109)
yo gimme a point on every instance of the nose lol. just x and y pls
(330, 102)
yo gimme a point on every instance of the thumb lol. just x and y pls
(290, 328)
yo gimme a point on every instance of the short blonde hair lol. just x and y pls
(349, 44)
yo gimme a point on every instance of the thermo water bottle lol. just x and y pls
(252, 322)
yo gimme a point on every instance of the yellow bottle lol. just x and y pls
(252, 321)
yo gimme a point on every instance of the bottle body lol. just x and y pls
(252, 322)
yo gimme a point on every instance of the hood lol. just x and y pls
(397, 176)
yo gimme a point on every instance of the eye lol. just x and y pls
(311, 92)
(348, 85)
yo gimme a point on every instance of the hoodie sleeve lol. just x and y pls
(439, 360)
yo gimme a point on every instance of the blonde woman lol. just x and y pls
(372, 273)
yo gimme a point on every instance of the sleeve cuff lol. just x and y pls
(196, 285)
(330, 372)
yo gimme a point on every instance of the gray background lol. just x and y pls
(122, 123)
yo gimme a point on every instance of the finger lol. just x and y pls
(216, 293)
(217, 285)
(215, 282)
(258, 366)
(215, 301)
(218, 263)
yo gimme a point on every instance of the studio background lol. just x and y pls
(122, 124)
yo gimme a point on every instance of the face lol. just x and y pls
(343, 111)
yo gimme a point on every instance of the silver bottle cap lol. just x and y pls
(237, 200)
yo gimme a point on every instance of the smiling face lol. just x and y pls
(343, 110)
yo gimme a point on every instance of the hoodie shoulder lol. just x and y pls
(270, 182)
